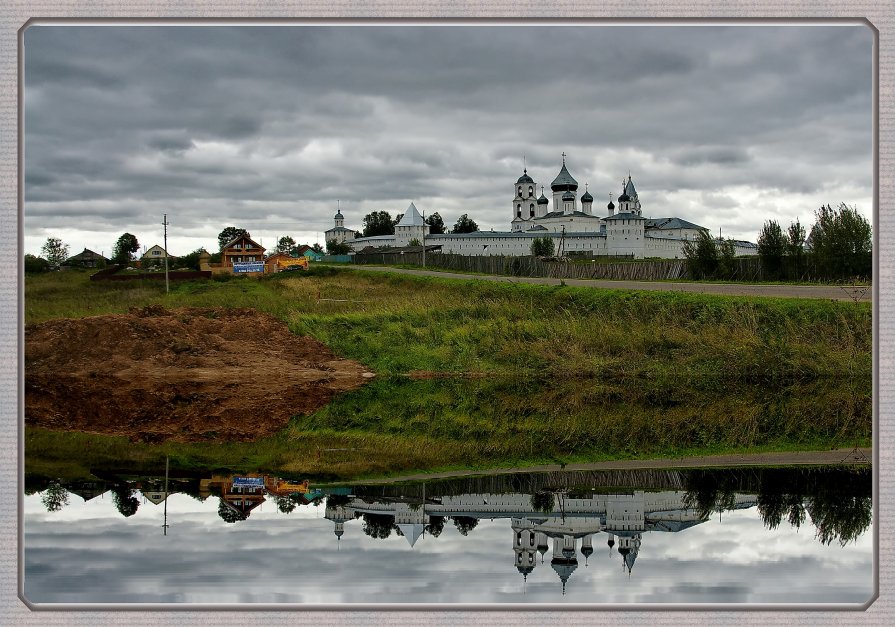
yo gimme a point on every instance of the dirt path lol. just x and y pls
(184, 374)
(833, 292)
(798, 458)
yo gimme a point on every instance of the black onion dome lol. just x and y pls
(543, 200)
(587, 551)
(610, 205)
(568, 196)
(564, 181)
(525, 178)
(587, 197)
(338, 213)
(624, 198)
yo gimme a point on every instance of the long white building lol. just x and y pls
(569, 221)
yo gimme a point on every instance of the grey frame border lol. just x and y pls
(372, 21)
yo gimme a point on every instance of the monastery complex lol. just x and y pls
(571, 221)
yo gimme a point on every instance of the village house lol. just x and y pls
(241, 249)
(155, 256)
(86, 259)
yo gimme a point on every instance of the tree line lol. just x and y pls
(838, 246)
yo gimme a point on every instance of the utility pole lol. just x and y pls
(165, 223)
(424, 240)
(165, 523)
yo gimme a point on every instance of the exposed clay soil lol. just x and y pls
(186, 374)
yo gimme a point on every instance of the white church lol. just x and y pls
(569, 220)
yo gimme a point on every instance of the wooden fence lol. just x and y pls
(111, 274)
(746, 269)
(529, 266)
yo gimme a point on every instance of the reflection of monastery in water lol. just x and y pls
(571, 525)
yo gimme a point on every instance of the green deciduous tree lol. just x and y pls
(125, 249)
(542, 246)
(229, 234)
(378, 223)
(54, 251)
(701, 255)
(727, 252)
(286, 245)
(337, 248)
(772, 247)
(841, 241)
(436, 224)
(795, 249)
(465, 224)
(190, 260)
(317, 248)
(35, 264)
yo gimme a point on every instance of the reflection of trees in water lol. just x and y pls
(709, 491)
(838, 500)
(54, 497)
(465, 524)
(839, 514)
(287, 503)
(542, 502)
(228, 514)
(124, 499)
(435, 526)
(378, 526)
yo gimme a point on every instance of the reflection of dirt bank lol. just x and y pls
(185, 374)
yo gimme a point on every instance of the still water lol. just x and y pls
(791, 536)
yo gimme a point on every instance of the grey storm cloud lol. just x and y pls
(215, 123)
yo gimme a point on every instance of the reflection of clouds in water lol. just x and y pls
(296, 558)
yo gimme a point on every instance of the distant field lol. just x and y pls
(475, 374)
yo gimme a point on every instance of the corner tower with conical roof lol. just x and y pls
(411, 227)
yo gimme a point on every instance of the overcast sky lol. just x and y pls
(269, 128)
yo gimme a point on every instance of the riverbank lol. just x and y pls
(475, 375)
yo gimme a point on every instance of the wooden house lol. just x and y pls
(241, 249)
(156, 256)
(86, 259)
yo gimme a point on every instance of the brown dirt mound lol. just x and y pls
(186, 374)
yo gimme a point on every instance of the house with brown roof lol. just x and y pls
(242, 249)
(86, 259)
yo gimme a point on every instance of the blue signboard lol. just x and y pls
(248, 266)
(248, 482)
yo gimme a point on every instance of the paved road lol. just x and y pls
(859, 456)
(831, 292)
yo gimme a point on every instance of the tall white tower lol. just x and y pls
(524, 201)
(524, 545)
